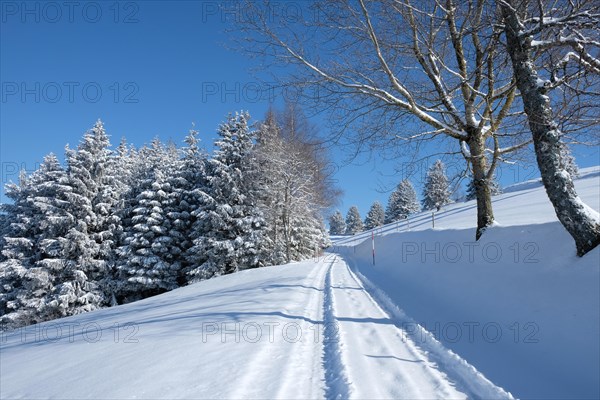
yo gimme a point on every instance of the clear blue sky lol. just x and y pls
(147, 69)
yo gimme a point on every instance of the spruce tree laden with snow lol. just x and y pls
(232, 223)
(4, 224)
(436, 191)
(126, 163)
(568, 161)
(308, 239)
(375, 217)
(189, 193)
(354, 222)
(402, 202)
(35, 268)
(150, 255)
(337, 224)
(390, 211)
(95, 201)
(494, 189)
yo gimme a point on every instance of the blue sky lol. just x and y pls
(147, 69)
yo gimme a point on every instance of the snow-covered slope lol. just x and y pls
(338, 327)
(524, 203)
(304, 330)
(518, 305)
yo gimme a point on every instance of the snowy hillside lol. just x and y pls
(522, 320)
(518, 305)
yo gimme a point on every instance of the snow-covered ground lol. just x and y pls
(526, 319)
(304, 330)
(518, 305)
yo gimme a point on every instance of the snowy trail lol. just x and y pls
(375, 350)
(337, 384)
(305, 354)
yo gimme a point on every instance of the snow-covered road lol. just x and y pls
(304, 330)
(375, 350)
(380, 359)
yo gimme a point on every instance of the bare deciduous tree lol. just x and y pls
(398, 73)
(555, 46)
(296, 182)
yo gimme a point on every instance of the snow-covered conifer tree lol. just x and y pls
(390, 211)
(95, 203)
(188, 196)
(493, 185)
(38, 222)
(402, 202)
(354, 222)
(4, 225)
(436, 191)
(150, 255)
(230, 218)
(375, 217)
(125, 162)
(305, 238)
(337, 224)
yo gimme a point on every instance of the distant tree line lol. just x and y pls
(403, 202)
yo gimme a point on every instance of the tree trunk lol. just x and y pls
(485, 213)
(582, 223)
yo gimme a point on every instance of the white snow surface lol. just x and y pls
(303, 330)
(436, 317)
(518, 305)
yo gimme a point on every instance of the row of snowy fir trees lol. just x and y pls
(402, 203)
(114, 226)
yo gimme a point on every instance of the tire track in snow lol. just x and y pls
(336, 379)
